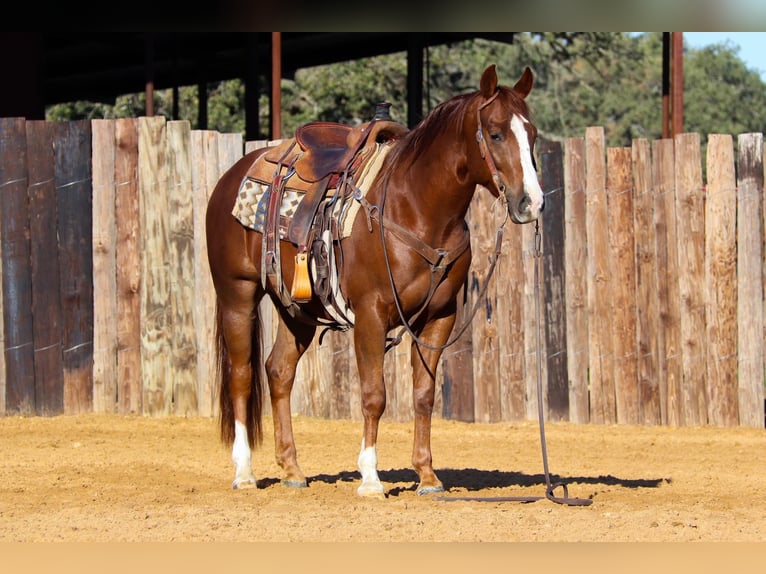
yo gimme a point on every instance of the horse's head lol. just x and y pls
(506, 140)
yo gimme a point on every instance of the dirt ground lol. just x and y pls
(99, 478)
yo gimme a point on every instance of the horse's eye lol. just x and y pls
(498, 137)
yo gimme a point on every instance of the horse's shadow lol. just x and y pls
(472, 479)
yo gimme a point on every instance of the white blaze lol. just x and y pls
(531, 183)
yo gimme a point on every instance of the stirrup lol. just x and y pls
(301, 289)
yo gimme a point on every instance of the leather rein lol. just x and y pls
(438, 259)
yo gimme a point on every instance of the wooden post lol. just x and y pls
(669, 298)
(510, 325)
(721, 282)
(457, 362)
(750, 277)
(486, 345)
(576, 282)
(553, 303)
(600, 361)
(531, 345)
(16, 270)
(46, 297)
(690, 217)
(156, 318)
(74, 190)
(622, 268)
(647, 301)
(342, 369)
(204, 160)
(104, 268)
(128, 265)
(181, 230)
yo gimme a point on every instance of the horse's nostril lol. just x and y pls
(524, 204)
(542, 205)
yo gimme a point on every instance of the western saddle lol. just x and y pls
(320, 163)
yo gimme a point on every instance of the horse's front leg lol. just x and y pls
(290, 344)
(369, 343)
(424, 364)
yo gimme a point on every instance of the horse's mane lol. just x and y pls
(444, 118)
(447, 117)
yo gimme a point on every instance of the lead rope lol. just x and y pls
(549, 486)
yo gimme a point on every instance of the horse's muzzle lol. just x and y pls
(525, 210)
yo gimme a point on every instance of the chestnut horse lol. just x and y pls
(416, 206)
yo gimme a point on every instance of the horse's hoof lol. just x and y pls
(371, 491)
(424, 490)
(295, 483)
(244, 484)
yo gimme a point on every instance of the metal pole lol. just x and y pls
(149, 68)
(678, 82)
(666, 125)
(276, 88)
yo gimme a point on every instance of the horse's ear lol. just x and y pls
(488, 84)
(524, 85)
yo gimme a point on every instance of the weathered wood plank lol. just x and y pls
(721, 282)
(397, 372)
(647, 303)
(750, 276)
(230, 148)
(403, 354)
(600, 354)
(19, 373)
(104, 268)
(457, 365)
(205, 174)
(576, 282)
(669, 299)
(622, 267)
(343, 370)
(74, 188)
(46, 299)
(690, 217)
(534, 331)
(128, 263)
(482, 225)
(183, 342)
(554, 303)
(509, 316)
(156, 321)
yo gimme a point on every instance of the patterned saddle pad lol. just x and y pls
(253, 198)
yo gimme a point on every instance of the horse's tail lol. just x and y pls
(255, 400)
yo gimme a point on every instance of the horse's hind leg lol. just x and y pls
(369, 343)
(237, 323)
(291, 342)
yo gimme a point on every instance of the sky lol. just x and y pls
(752, 46)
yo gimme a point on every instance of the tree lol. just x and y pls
(582, 79)
(721, 94)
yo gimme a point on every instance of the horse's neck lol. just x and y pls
(429, 192)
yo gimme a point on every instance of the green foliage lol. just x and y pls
(727, 97)
(582, 79)
(345, 92)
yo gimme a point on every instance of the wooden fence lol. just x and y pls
(651, 284)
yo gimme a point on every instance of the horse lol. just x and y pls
(403, 264)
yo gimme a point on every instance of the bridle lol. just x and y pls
(484, 149)
(438, 259)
